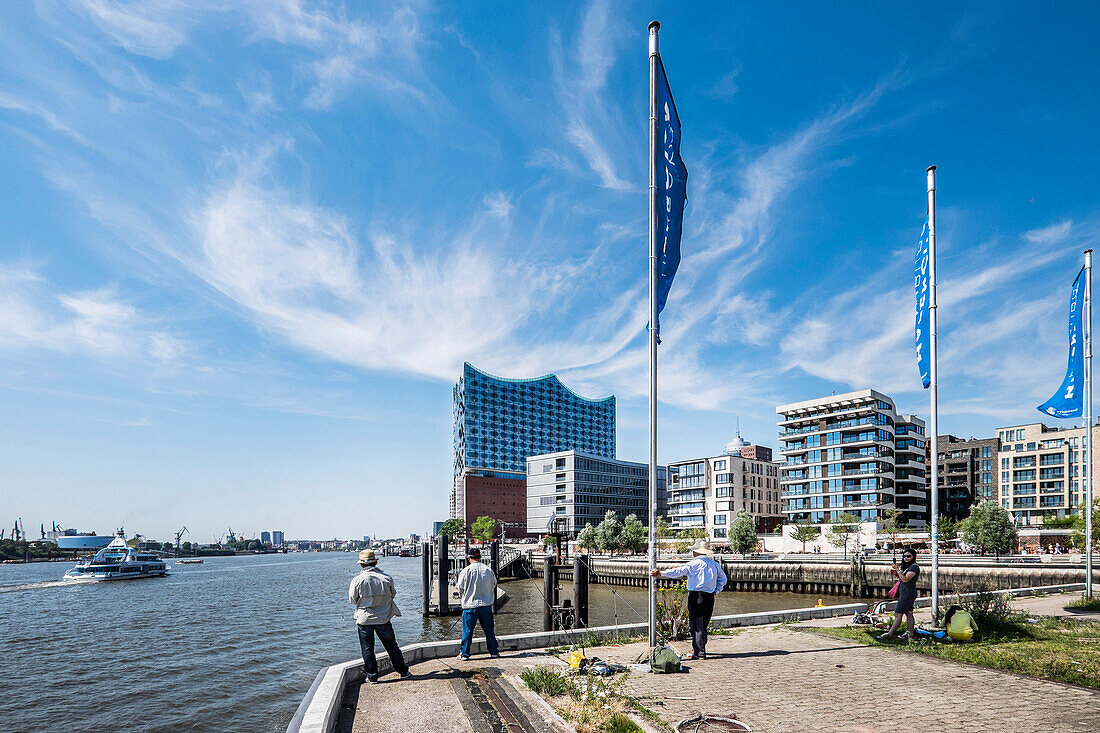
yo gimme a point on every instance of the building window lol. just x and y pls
(720, 465)
(719, 519)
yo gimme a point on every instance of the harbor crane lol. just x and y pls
(179, 535)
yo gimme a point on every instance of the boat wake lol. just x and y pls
(44, 584)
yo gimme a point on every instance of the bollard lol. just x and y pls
(549, 585)
(494, 557)
(580, 590)
(426, 576)
(444, 563)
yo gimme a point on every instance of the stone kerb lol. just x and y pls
(317, 712)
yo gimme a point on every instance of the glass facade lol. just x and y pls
(499, 423)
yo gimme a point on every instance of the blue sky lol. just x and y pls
(246, 252)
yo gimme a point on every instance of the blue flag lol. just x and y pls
(671, 190)
(1067, 401)
(922, 327)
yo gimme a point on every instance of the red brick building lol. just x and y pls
(503, 499)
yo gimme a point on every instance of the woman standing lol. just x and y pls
(907, 594)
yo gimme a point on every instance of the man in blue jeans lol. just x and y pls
(478, 587)
(372, 593)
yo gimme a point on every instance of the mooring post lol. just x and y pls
(444, 565)
(494, 557)
(580, 590)
(549, 585)
(426, 575)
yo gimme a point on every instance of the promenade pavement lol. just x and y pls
(776, 679)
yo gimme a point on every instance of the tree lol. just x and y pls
(743, 537)
(686, 536)
(586, 538)
(661, 531)
(635, 534)
(166, 547)
(453, 527)
(989, 528)
(255, 546)
(186, 547)
(1077, 536)
(804, 532)
(609, 532)
(890, 525)
(484, 528)
(841, 529)
(949, 528)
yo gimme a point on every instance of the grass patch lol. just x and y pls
(590, 704)
(1084, 604)
(1059, 649)
(722, 631)
(590, 639)
(545, 681)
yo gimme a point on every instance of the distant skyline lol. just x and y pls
(245, 252)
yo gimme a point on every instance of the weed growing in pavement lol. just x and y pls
(1084, 604)
(591, 704)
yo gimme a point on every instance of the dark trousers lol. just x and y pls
(700, 609)
(389, 643)
(484, 616)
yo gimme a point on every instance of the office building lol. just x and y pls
(852, 453)
(968, 473)
(582, 487)
(499, 423)
(265, 538)
(1042, 471)
(708, 492)
(277, 538)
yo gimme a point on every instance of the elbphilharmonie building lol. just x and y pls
(499, 422)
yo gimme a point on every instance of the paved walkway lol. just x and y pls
(776, 679)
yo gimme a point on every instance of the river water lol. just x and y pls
(231, 644)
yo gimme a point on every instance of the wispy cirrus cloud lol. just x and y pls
(93, 323)
(590, 124)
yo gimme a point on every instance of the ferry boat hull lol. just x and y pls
(118, 561)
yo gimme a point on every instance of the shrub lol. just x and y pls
(672, 612)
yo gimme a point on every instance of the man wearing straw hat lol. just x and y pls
(372, 593)
(705, 580)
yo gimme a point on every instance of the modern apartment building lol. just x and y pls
(708, 492)
(1042, 471)
(582, 487)
(277, 538)
(854, 453)
(265, 538)
(499, 422)
(968, 473)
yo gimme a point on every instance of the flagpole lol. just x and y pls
(1088, 423)
(933, 439)
(653, 61)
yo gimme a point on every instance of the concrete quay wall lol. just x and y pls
(837, 578)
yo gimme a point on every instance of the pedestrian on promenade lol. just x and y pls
(372, 592)
(705, 580)
(478, 586)
(907, 593)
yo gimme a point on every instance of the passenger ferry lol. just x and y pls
(118, 561)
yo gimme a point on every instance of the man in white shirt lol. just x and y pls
(372, 593)
(478, 587)
(705, 580)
